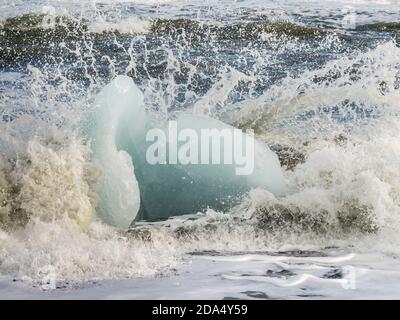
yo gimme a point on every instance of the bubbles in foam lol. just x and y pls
(60, 229)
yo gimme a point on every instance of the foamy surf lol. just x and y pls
(322, 96)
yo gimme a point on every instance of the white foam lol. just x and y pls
(360, 174)
(130, 25)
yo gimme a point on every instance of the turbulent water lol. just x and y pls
(318, 82)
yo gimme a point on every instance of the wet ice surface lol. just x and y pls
(334, 98)
(285, 275)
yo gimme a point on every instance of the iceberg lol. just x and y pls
(134, 187)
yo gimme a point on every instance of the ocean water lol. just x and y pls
(319, 82)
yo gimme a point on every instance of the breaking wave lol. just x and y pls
(331, 116)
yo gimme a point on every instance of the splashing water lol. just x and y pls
(324, 98)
